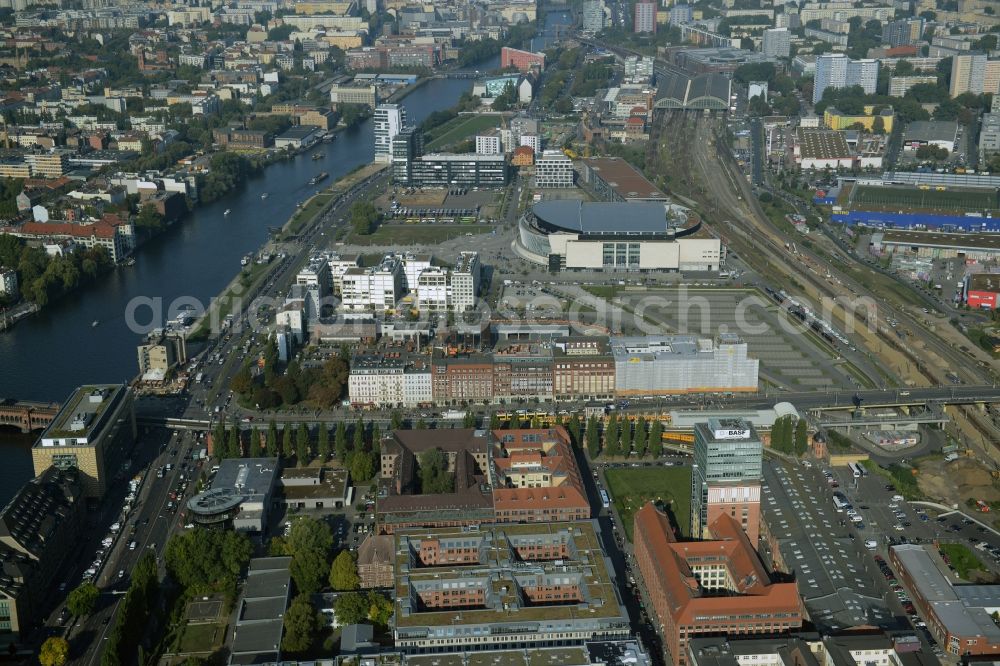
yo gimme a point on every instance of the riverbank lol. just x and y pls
(246, 284)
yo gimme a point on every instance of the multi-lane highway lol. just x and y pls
(148, 526)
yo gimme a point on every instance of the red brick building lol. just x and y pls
(684, 581)
(537, 479)
(466, 378)
(521, 60)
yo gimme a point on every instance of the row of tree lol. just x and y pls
(124, 641)
(790, 435)
(357, 453)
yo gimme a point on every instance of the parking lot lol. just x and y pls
(837, 578)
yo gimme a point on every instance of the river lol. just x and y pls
(46, 356)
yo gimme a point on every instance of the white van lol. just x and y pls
(871, 544)
(898, 498)
(131, 545)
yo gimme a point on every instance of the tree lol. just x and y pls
(469, 420)
(242, 381)
(656, 438)
(421, 424)
(344, 572)
(801, 437)
(340, 442)
(272, 439)
(639, 439)
(362, 465)
(253, 447)
(593, 438)
(54, 651)
(380, 609)
(359, 435)
(395, 420)
(878, 125)
(433, 470)
(625, 437)
(149, 218)
(494, 421)
(204, 558)
(563, 105)
(364, 217)
(302, 446)
(323, 443)
(309, 569)
(81, 601)
(287, 445)
(301, 625)
(611, 436)
(309, 533)
(351, 608)
(574, 429)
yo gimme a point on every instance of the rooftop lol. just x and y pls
(609, 218)
(822, 144)
(83, 415)
(624, 178)
(505, 576)
(658, 347)
(931, 130)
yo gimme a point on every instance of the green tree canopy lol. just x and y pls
(344, 572)
(82, 600)
(301, 625)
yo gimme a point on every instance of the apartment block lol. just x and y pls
(777, 42)
(354, 93)
(374, 288)
(388, 379)
(388, 122)
(836, 70)
(645, 16)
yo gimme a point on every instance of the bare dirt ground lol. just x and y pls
(956, 482)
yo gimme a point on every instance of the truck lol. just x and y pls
(454, 414)
(197, 378)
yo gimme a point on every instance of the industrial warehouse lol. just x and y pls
(615, 236)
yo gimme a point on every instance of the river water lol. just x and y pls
(46, 356)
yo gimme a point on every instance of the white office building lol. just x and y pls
(777, 42)
(638, 69)
(338, 265)
(553, 169)
(489, 144)
(389, 121)
(533, 141)
(373, 289)
(413, 266)
(836, 70)
(455, 290)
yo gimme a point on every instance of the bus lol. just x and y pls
(605, 500)
(856, 469)
(839, 503)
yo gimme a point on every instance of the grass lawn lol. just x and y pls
(307, 213)
(423, 233)
(631, 488)
(607, 292)
(961, 558)
(462, 128)
(200, 638)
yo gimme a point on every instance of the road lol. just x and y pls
(149, 526)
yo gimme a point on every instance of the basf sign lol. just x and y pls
(741, 433)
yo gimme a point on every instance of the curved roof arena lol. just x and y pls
(601, 218)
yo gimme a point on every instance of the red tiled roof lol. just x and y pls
(99, 229)
(524, 150)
